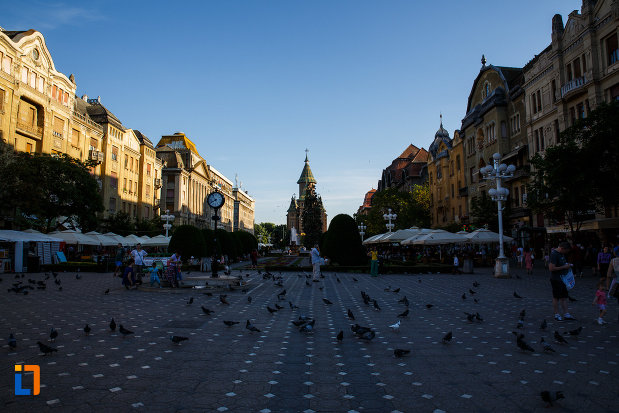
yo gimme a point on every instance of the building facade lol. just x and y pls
(364, 209)
(243, 213)
(568, 79)
(294, 216)
(405, 170)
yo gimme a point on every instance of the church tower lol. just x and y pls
(295, 210)
(306, 179)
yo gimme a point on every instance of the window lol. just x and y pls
(584, 64)
(536, 140)
(130, 185)
(115, 153)
(557, 132)
(523, 195)
(147, 169)
(32, 80)
(553, 88)
(75, 138)
(533, 103)
(40, 84)
(147, 191)
(516, 197)
(568, 69)
(169, 193)
(612, 49)
(541, 139)
(458, 163)
(125, 184)
(93, 144)
(576, 65)
(24, 74)
(29, 148)
(451, 168)
(539, 100)
(452, 190)
(135, 187)
(113, 180)
(439, 173)
(58, 129)
(112, 205)
(472, 175)
(580, 111)
(146, 212)
(2, 100)
(572, 116)
(126, 161)
(503, 129)
(7, 64)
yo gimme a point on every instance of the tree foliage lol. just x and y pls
(44, 188)
(119, 223)
(342, 242)
(578, 175)
(412, 209)
(312, 217)
(188, 240)
(484, 213)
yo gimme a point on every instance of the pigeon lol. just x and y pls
(520, 323)
(206, 310)
(376, 306)
(278, 307)
(447, 337)
(299, 322)
(574, 332)
(522, 314)
(559, 338)
(475, 284)
(87, 329)
(251, 327)
(571, 298)
(351, 316)
(230, 323)
(12, 342)
(113, 325)
(178, 339)
(397, 290)
(271, 310)
(324, 300)
(395, 326)
(354, 279)
(338, 280)
(472, 292)
(222, 299)
(307, 283)
(547, 347)
(46, 349)
(368, 335)
(428, 306)
(107, 291)
(516, 295)
(78, 276)
(404, 313)
(190, 301)
(292, 306)
(464, 296)
(470, 317)
(340, 335)
(399, 352)
(307, 327)
(124, 331)
(476, 300)
(478, 317)
(548, 399)
(358, 330)
(321, 288)
(208, 294)
(53, 334)
(543, 325)
(523, 345)
(249, 299)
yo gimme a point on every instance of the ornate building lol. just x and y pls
(568, 79)
(295, 210)
(367, 202)
(405, 170)
(446, 178)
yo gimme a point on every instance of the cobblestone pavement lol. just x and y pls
(280, 369)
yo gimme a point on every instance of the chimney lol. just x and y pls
(85, 97)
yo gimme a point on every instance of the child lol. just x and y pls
(600, 300)
(154, 277)
(129, 276)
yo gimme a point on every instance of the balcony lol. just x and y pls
(573, 85)
(522, 171)
(157, 183)
(95, 155)
(30, 130)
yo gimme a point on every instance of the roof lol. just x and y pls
(293, 205)
(143, 139)
(13, 33)
(306, 175)
(367, 201)
(410, 150)
(101, 114)
(511, 77)
(178, 141)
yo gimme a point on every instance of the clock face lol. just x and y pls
(215, 200)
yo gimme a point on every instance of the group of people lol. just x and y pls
(130, 266)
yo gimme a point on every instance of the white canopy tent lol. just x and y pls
(400, 235)
(371, 239)
(26, 236)
(117, 238)
(47, 243)
(72, 237)
(159, 241)
(132, 239)
(104, 240)
(484, 236)
(421, 232)
(440, 237)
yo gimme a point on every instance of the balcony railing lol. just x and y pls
(573, 85)
(30, 129)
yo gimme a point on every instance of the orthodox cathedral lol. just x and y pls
(295, 211)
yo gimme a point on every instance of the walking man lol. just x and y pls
(138, 255)
(120, 255)
(559, 266)
(315, 258)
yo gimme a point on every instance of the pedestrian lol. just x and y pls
(603, 261)
(138, 255)
(315, 258)
(559, 266)
(456, 268)
(520, 252)
(600, 300)
(154, 275)
(613, 279)
(120, 256)
(528, 260)
(373, 262)
(254, 259)
(129, 275)
(175, 264)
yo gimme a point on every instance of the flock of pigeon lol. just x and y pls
(307, 325)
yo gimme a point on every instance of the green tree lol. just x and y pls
(264, 231)
(312, 217)
(342, 242)
(412, 209)
(188, 240)
(281, 237)
(151, 227)
(484, 213)
(120, 223)
(247, 240)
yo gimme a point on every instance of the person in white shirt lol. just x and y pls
(138, 255)
(315, 258)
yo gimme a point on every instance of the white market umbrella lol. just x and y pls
(420, 233)
(133, 239)
(484, 236)
(117, 238)
(145, 240)
(103, 239)
(372, 238)
(440, 237)
(400, 235)
(159, 241)
(72, 237)
(27, 236)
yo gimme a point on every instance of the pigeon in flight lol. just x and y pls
(46, 349)
(178, 339)
(230, 323)
(113, 325)
(399, 352)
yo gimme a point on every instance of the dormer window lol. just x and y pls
(486, 91)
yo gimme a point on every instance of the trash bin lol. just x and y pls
(467, 266)
(33, 263)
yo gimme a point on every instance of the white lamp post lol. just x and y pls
(362, 229)
(167, 218)
(499, 172)
(389, 217)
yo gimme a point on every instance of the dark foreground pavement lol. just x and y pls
(282, 370)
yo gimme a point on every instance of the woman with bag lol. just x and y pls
(559, 267)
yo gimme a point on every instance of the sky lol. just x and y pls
(255, 83)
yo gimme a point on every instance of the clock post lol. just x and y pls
(215, 200)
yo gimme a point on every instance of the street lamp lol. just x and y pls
(499, 172)
(362, 229)
(167, 218)
(389, 217)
